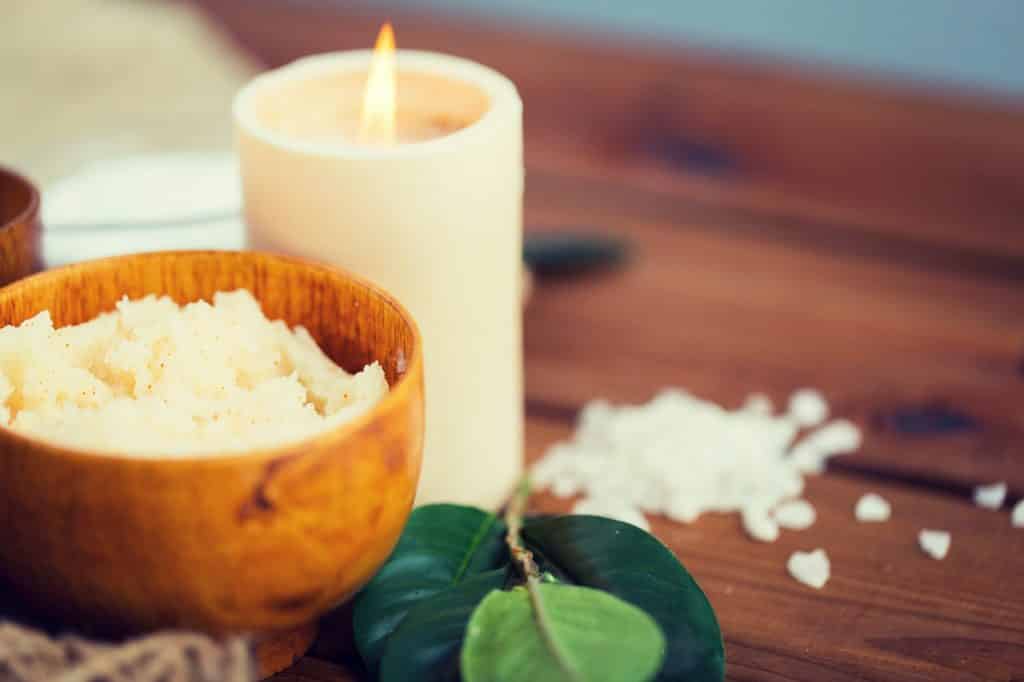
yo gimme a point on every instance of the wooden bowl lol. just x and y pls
(19, 227)
(260, 543)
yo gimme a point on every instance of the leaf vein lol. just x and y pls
(547, 632)
(474, 545)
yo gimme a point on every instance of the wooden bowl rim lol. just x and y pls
(31, 211)
(397, 395)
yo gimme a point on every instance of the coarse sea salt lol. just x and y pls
(758, 403)
(935, 543)
(795, 515)
(1017, 517)
(990, 496)
(838, 437)
(807, 407)
(681, 456)
(758, 524)
(872, 508)
(810, 568)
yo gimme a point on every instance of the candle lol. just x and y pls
(424, 197)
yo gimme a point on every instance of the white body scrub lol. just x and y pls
(153, 378)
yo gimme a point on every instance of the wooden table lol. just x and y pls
(791, 229)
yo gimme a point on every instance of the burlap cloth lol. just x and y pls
(26, 655)
(86, 80)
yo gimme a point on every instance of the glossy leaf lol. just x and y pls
(442, 546)
(627, 562)
(560, 633)
(557, 254)
(425, 646)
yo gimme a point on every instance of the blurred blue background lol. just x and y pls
(972, 43)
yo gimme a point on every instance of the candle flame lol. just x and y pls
(377, 123)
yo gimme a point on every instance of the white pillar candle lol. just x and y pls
(435, 218)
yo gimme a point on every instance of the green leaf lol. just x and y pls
(426, 645)
(442, 546)
(625, 561)
(409, 619)
(560, 633)
(565, 253)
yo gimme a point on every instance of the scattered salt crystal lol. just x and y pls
(872, 508)
(807, 407)
(759, 404)
(795, 515)
(935, 543)
(612, 509)
(1017, 518)
(990, 496)
(810, 568)
(838, 437)
(759, 525)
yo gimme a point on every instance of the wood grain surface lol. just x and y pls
(789, 228)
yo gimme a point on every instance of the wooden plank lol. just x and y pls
(888, 613)
(618, 202)
(887, 159)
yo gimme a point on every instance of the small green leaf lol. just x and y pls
(631, 564)
(560, 633)
(426, 645)
(442, 546)
(566, 253)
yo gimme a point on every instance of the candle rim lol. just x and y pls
(501, 92)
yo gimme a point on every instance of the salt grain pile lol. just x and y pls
(682, 457)
(153, 378)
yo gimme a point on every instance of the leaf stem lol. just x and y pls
(523, 559)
